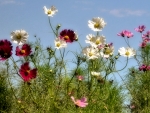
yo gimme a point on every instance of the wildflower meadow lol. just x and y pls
(35, 79)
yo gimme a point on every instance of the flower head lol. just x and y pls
(140, 28)
(144, 67)
(80, 103)
(25, 50)
(5, 49)
(96, 24)
(127, 52)
(96, 74)
(126, 33)
(91, 53)
(122, 33)
(95, 41)
(51, 11)
(80, 78)
(108, 50)
(146, 35)
(26, 73)
(19, 36)
(68, 35)
(59, 43)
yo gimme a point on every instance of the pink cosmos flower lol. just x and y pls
(147, 35)
(5, 49)
(126, 33)
(80, 78)
(25, 50)
(140, 28)
(144, 67)
(122, 33)
(143, 44)
(26, 73)
(81, 102)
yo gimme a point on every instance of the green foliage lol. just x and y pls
(5, 93)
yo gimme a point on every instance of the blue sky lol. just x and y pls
(74, 14)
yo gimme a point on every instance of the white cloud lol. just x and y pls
(4, 2)
(125, 12)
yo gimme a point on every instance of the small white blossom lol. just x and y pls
(51, 11)
(96, 24)
(19, 36)
(127, 52)
(96, 74)
(60, 43)
(91, 53)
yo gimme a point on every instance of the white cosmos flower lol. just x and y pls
(91, 52)
(95, 41)
(107, 51)
(95, 73)
(90, 38)
(19, 36)
(60, 43)
(96, 24)
(51, 11)
(127, 52)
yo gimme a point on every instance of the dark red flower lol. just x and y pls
(25, 50)
(140, 28)
(68, 35)
(26, 73)
(143, 44)
(5, 49)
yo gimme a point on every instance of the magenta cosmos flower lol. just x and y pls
(81, 102)
(125, 33)
(146, 35)
(25, 50)
(26, 73)
(144, 67)
(140, 28)
(5, 49)
(68, 35)
(80, 78)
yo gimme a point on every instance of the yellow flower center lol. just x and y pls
(66, 37)
(49, 12)
(90, 54)
(127, 53)
(22, 51)
(107, 51)
(58, 44)
(18, 36)
(28, 71)
(97, 42)
(96, 25)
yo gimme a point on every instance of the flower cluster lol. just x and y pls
(22, 50)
